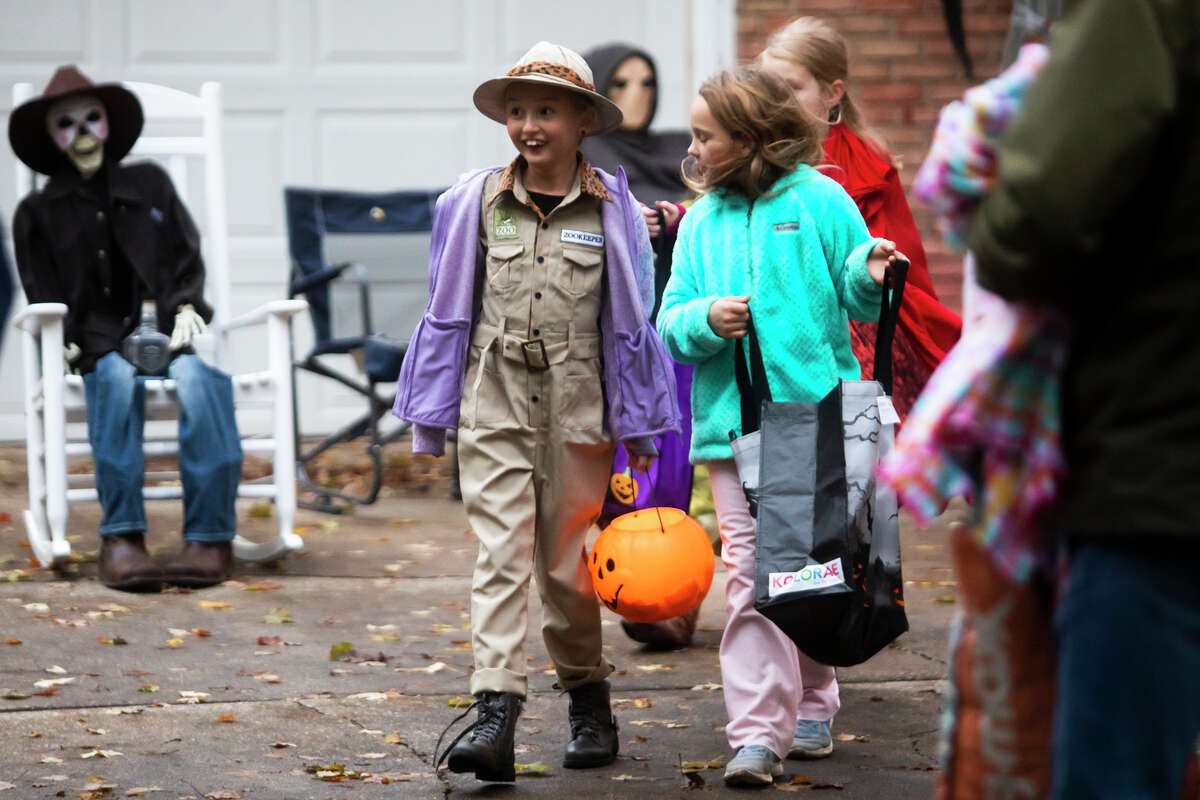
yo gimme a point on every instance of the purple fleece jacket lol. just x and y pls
(639, 378)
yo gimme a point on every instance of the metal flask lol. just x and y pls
(146, 347)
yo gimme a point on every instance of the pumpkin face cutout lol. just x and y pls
(647, 570)
(624, 487)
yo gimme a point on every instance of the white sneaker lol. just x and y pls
(754, 765)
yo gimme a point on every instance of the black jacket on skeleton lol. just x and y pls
(651, 160)
(104, 245)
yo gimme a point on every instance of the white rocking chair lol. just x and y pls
(53, 398)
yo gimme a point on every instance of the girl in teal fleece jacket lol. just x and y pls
(773, 235)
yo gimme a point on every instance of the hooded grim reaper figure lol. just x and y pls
(115, 244)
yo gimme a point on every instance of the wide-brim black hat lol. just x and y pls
(27, 124)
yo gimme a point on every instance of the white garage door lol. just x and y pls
(356, 94)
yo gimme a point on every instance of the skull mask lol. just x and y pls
(79, 128)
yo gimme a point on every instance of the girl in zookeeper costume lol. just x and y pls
(536, 346)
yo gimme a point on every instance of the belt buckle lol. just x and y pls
(534, 353)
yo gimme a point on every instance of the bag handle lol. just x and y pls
(752, 379)
(894, 277)
(662, 263)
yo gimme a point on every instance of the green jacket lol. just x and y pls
(1097, 211)
(800, 253)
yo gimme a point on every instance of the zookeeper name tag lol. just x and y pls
(583, 237)
(814, 576)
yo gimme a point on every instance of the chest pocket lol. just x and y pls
(504, 265)
(583, 264)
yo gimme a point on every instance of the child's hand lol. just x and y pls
(641, 463)
(882, 255)
(670, 213)
(728, 317)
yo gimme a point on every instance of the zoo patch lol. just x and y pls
(583, 237)
(504, 223)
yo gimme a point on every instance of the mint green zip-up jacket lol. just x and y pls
(800, 253)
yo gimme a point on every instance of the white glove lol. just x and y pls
(70, 353)
(188, 325)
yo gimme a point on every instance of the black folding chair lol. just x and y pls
(332, 235)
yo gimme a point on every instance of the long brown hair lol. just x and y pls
(815, 45)
(758, 109)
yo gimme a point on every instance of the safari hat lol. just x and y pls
(27, 125)
(552, 64)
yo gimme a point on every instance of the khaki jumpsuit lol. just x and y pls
(534, 456)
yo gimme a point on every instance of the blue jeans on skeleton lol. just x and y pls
(210, 452)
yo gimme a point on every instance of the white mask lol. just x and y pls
(79, 128)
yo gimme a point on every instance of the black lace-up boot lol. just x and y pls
(488, 750)
(593, 728)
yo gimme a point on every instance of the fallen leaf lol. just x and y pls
(278, 616)
(281, 745)
(538, 769)
(201, 632)
(222, 796)
(148, 688)
(267, 677)
(641, 702)
(94, 731)
(50, 760)
(268, 641)
(852, 737)
(372, 756)
(385, 637)
(135, 673)
(459, 702)
(46, 683)
(37, 608)
(265, 586)
(102, 754)
(829, 785)
(226, 718)
(5, 785)
(340, 649)
(215, 605)
(46, 692)
(116, 640)
(655, 667)
(176, 642)
(56, 670)
(431, 669)
(793, 783)
(707, 687)
(192, 698)
(692, 780)
(14, 641)
(142, 791)
(625, 778)
(260, 511)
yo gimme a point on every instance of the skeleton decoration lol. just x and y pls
(79, 127)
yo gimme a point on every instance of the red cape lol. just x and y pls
(927, 329)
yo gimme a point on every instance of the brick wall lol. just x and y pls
(902, 71)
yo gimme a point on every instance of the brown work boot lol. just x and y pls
(126, 566)
(672, 634)
(201, 564)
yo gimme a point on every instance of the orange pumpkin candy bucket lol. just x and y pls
(651, 565)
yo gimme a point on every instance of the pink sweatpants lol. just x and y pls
(768, 683)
